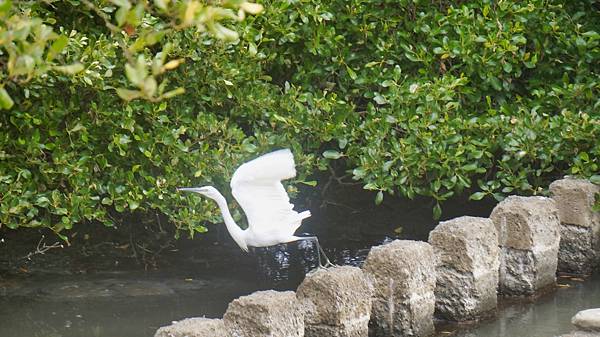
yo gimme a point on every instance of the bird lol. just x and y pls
(256, 186)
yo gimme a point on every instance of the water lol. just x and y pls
(103, 296)
(548, 316)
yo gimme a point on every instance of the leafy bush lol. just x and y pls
(501, 94)
(415, 97)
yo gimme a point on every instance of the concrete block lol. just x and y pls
(404, 277)
(337, 302)
(528, 233)
(467, 271)
(193, 327)
(579, 251)
(265, 314)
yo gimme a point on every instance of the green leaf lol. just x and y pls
(173, 93)
(6, 101)
(133, 205)
(477, 196)
(70, 69)
(437, 211)
(122, 3)
(134, 75)
(595, 179)
(249, 147)
(42, 201)
(128, 94)
(379, 198)
(57, 47)
(351, 73)
(162, 4)
(5, 6)
(470, 167)
(332, 154)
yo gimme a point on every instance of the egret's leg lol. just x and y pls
(320, 251)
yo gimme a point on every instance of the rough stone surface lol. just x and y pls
(193, 327)
(337, 302)
(529, 236)
(579, 251)
(467, 271)
(404, 277)
(265, 314)
(588, 320)
(574, 199)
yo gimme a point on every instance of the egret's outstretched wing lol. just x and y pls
(256, 185)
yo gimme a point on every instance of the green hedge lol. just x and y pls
(498, 97)
(415, 97)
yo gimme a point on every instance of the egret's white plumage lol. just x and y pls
(256, 185)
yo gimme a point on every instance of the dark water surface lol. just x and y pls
(202, 276)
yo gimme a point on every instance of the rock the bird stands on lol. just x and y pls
(467, 270)
(404, 279)
(528, 232)
(579, 225)
(337, 302)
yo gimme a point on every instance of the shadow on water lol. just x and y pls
(103, 296)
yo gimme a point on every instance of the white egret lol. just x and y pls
(256, 185)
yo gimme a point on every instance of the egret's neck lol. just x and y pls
(234, 230)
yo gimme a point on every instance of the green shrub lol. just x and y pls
(504, 95)
(415, 97)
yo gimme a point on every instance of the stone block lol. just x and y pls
(579, 251)
(529, 236)
(193, 327)
(574, 199)
(265, 314)
(404, 277)
(337, 302)
(467, 271)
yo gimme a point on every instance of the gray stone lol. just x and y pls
(467, 271)
(404, 278)
(193, 327)
(574, 199)
(528, 233)
(579, 251)
(265, 314)
(588, 320)
(337, 302)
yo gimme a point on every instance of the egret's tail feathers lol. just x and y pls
(304, 215)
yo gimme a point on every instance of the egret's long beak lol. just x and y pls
(189, 189)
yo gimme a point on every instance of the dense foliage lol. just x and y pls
(415, 97)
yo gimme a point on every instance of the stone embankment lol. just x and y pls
(456, 276)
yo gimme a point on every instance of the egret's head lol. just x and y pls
(207, 191)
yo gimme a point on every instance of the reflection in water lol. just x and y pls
(547, 316)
